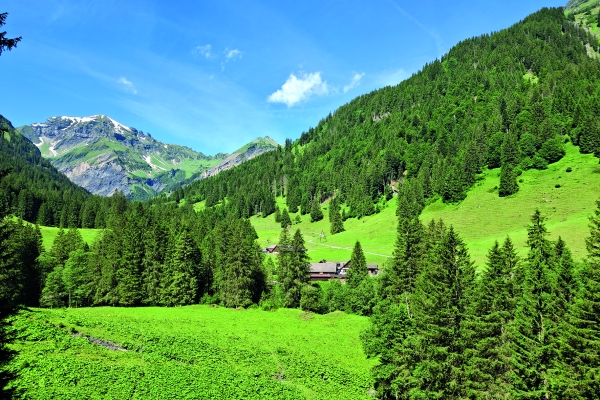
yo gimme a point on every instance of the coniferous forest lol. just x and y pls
(441, 327)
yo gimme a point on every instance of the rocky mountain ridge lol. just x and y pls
(103, 155)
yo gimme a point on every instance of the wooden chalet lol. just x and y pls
(272, 249)
(324, 271)
(372, 268)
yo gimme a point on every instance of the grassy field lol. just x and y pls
(483, 217)
(480, 219)
(49, 234)
(190, 352)
(376, 233)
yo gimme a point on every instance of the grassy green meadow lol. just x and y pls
(190, 352)
(49, 234)
(376, 233)
(480, 219)
(483, 217)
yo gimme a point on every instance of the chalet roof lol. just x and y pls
(372, 266)
(326, 267)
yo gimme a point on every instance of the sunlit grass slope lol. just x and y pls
(483, 217)
(376, 233)
(191, 352)
(49, 234)
(480, 219)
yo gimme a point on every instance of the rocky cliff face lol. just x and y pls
(248, 152)
(103, 155)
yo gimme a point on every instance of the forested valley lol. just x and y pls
(440, 326)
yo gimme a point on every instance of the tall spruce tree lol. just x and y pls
(532, 351)
(490, 366)
(335, 217)
(180, 283)
(155, 247)
(316, 214)
(357, 271)
(577, 375)
(508, 181)
(285, 218)
(443, 303)
(129, 288)
(294, 267)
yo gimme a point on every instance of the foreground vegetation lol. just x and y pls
(189, 352)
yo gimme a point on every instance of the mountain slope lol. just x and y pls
(507, 99)
(32, 180)
(103, 156)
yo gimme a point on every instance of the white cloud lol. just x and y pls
(354, 82)
(127, 85)
(232, 54)
(296, 90)
(203, 51)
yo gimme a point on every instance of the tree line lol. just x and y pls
(520, 328)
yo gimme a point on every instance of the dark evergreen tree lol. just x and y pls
(6, 43)
(315, 210)
(180, 281)
(490, 366)
(76, 279)
(443, 303)
(294, 268)
(508, 181)
(533, 321)
(576, 374)
(155, 248)
(129, 288)
(335, 218)
(277, 214)
(357, 271)
(285, 218)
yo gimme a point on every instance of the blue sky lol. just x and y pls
(214, 75)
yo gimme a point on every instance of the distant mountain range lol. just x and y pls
(103, 155)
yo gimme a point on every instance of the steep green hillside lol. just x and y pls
(483, 217)
(190, 352)
(376, 233)
(480, 219)
(32, 180)
(501, 100)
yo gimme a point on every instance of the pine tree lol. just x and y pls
(510, 150)
(277, 215)
(294, 267)
(508, 181)
(358, 267)
(443, 303)
(285, 218)
(577, 374)
(533, 322)
(129, 272)
(155, 247)
(315, 210)
(76, 279)
(400, 277)
(180, 283)
(490, 364)
(335, 218)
